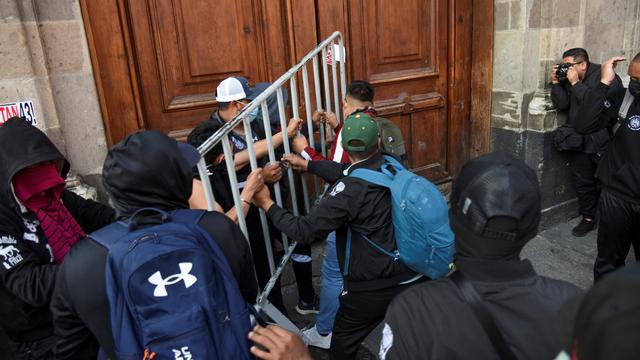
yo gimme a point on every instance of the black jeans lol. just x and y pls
(586, 185)
(618, 229)
(359, 313)
(302, 269)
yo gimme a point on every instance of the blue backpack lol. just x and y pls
(424, 240)
(171, 291)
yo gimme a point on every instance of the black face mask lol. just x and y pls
(634, 88)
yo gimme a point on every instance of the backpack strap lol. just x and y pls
(395, 163)
(395, 254)
(348, 252)
(473, 299)
(110, 234)
(372, 176)
(133, 224)
(624, 109)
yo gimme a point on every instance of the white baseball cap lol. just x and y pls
(230, 89)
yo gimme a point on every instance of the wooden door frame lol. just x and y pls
(471, 32)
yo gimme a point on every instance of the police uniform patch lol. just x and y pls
(634, 122)
(337, 189)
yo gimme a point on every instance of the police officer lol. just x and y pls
(568, 95)
(619, 169)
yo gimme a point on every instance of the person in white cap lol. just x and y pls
(232, 95)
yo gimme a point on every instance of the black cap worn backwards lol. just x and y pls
(495, 207)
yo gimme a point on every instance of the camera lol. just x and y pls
(562, 70)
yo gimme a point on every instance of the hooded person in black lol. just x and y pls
(495, 211)
(28, 256)
(146, 169)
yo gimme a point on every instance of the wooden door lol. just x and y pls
(400, 47)
(184, 48)
(157, 62)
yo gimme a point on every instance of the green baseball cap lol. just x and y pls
(359, 133)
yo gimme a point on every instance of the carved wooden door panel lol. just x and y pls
(184, 48)
(400, 47)
(168, 56)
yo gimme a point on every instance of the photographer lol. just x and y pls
(619, 171)
(573, 81)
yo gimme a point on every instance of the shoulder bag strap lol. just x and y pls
(472, 298)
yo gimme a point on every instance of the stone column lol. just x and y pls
(45, 58)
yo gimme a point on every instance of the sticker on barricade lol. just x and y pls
(23, 109)
(335, 53)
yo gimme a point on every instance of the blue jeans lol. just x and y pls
(331, 288)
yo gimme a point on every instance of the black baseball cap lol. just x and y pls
(203, 132)
(495, 206)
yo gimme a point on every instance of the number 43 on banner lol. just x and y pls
(22, 109)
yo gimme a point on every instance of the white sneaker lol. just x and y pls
(313, 338)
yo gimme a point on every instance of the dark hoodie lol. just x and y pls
(27, 271)
(144, 170)
(493, 197)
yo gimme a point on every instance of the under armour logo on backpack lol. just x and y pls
(162, 283)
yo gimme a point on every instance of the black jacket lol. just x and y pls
(155, 177)
(28, 272)
(363, 206)
(431, 321)
(619, 168)
(577, 102)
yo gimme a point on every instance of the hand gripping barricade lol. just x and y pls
(331, 48)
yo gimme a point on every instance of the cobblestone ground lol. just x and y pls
(554, 253)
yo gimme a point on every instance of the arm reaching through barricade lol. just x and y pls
(261, 147)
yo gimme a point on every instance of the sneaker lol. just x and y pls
(311, 337)
(583, 228)
(305, 308)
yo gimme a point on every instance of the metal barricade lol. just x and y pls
(333, 45)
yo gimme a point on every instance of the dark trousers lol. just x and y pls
(618, 229)
(586, 185)
(359, 313)
(301, 262)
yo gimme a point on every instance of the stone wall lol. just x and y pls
(44, 58)
(530, 36)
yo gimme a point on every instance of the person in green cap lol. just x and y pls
(355, 209)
